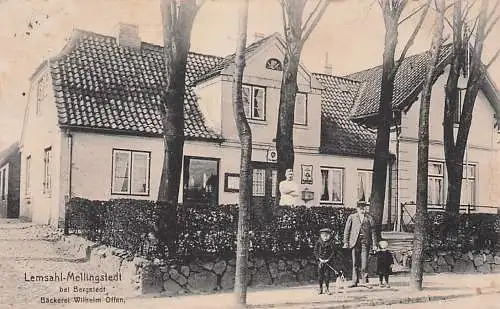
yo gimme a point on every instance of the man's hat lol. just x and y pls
(325, 230)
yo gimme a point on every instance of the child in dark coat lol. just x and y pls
(323, 251)
(384, 263)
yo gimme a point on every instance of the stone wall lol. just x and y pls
(141, 276)
(483, 261)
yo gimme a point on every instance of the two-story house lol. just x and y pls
(92, 129)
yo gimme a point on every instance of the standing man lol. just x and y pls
(360, 236)
(289, 190)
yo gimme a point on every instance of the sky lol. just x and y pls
(351, 32)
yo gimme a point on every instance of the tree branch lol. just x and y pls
(449, 22)
(467, 10)
(490, 16)
(311, 15)
(412, 37)
(490, 27)
(200, 3)
(412, 14)
(492, 60)
(309, 28)
(285, 24)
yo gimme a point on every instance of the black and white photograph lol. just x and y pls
(250, 154)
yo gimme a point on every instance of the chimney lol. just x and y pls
(328, 66)
(127, 35)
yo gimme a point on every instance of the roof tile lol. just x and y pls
(102, 85)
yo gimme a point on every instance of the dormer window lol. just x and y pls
(254, 101)
(41, 91)
(274, 64)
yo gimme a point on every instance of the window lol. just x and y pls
(47, 166)
(41, 91)
(468, 195)
(460, 104)
(201, 180)
(254, 102)
(259, 182)
(27, 184)
(4, 178)
(436, 184)
(274, 64)
(364, 185)
(332, 185)
(301, 109)
(130, 172)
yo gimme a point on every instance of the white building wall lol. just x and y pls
(92, 159)
(40, 131)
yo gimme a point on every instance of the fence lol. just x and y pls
(406, 219)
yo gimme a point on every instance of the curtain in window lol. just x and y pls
(364, 186)
(121, 172)
(140, 172)
(435, 191)
(245, 92)
(325, 195)
(258, 103)
(336, 185)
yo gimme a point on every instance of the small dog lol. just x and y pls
(340, 282)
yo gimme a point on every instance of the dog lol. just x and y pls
(340, 282)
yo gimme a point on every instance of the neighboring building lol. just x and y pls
(92, 129)
(10, 164)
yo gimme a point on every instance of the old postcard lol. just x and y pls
(249, 153)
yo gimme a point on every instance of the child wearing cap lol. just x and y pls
(323, 251)
(384, 263)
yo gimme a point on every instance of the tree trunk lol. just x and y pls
(381, 159)
(420, 234)
(296, 31)
(286, 114)
(177, 19)
(455, 150)
(453, 162)
(245, 135)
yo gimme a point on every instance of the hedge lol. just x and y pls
(202, 232)
(475, 231)
(211, 232)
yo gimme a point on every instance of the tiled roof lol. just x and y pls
(408, 82)
(230, 59)
(339, 134)
(101, 85)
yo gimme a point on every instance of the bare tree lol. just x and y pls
(392, 11)
(177, 19)
(461, 52)
(245, 134)
(420, 234)
(296, 33)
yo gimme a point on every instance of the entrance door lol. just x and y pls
(265, 176)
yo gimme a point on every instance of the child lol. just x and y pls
(384, 263)
(323, 251)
